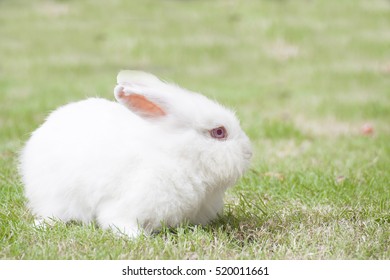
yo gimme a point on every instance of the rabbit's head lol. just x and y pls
(189, 127)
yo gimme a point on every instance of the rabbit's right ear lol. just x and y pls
(138, 103)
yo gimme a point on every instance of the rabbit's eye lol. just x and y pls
(219, 133)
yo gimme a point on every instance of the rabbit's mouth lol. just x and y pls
(248, 155)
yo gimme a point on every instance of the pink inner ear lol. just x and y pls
(141, 105)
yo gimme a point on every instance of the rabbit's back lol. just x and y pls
(67, 165)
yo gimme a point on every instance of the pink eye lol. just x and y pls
(219, 133)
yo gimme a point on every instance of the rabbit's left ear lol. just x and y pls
(138, 103)
(129, 93)
(132, 77)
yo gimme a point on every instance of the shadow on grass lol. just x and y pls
(242, 223)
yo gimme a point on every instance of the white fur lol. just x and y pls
(97, 160)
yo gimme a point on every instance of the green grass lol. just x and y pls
(303, 76)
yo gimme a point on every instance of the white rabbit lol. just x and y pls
(161, 155)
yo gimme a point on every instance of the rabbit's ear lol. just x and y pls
(132, 77)
(138, 103)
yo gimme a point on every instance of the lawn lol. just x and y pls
(310, 81)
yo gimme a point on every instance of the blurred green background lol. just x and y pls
(309, 79)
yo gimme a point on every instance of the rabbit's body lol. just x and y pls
(98, 160)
